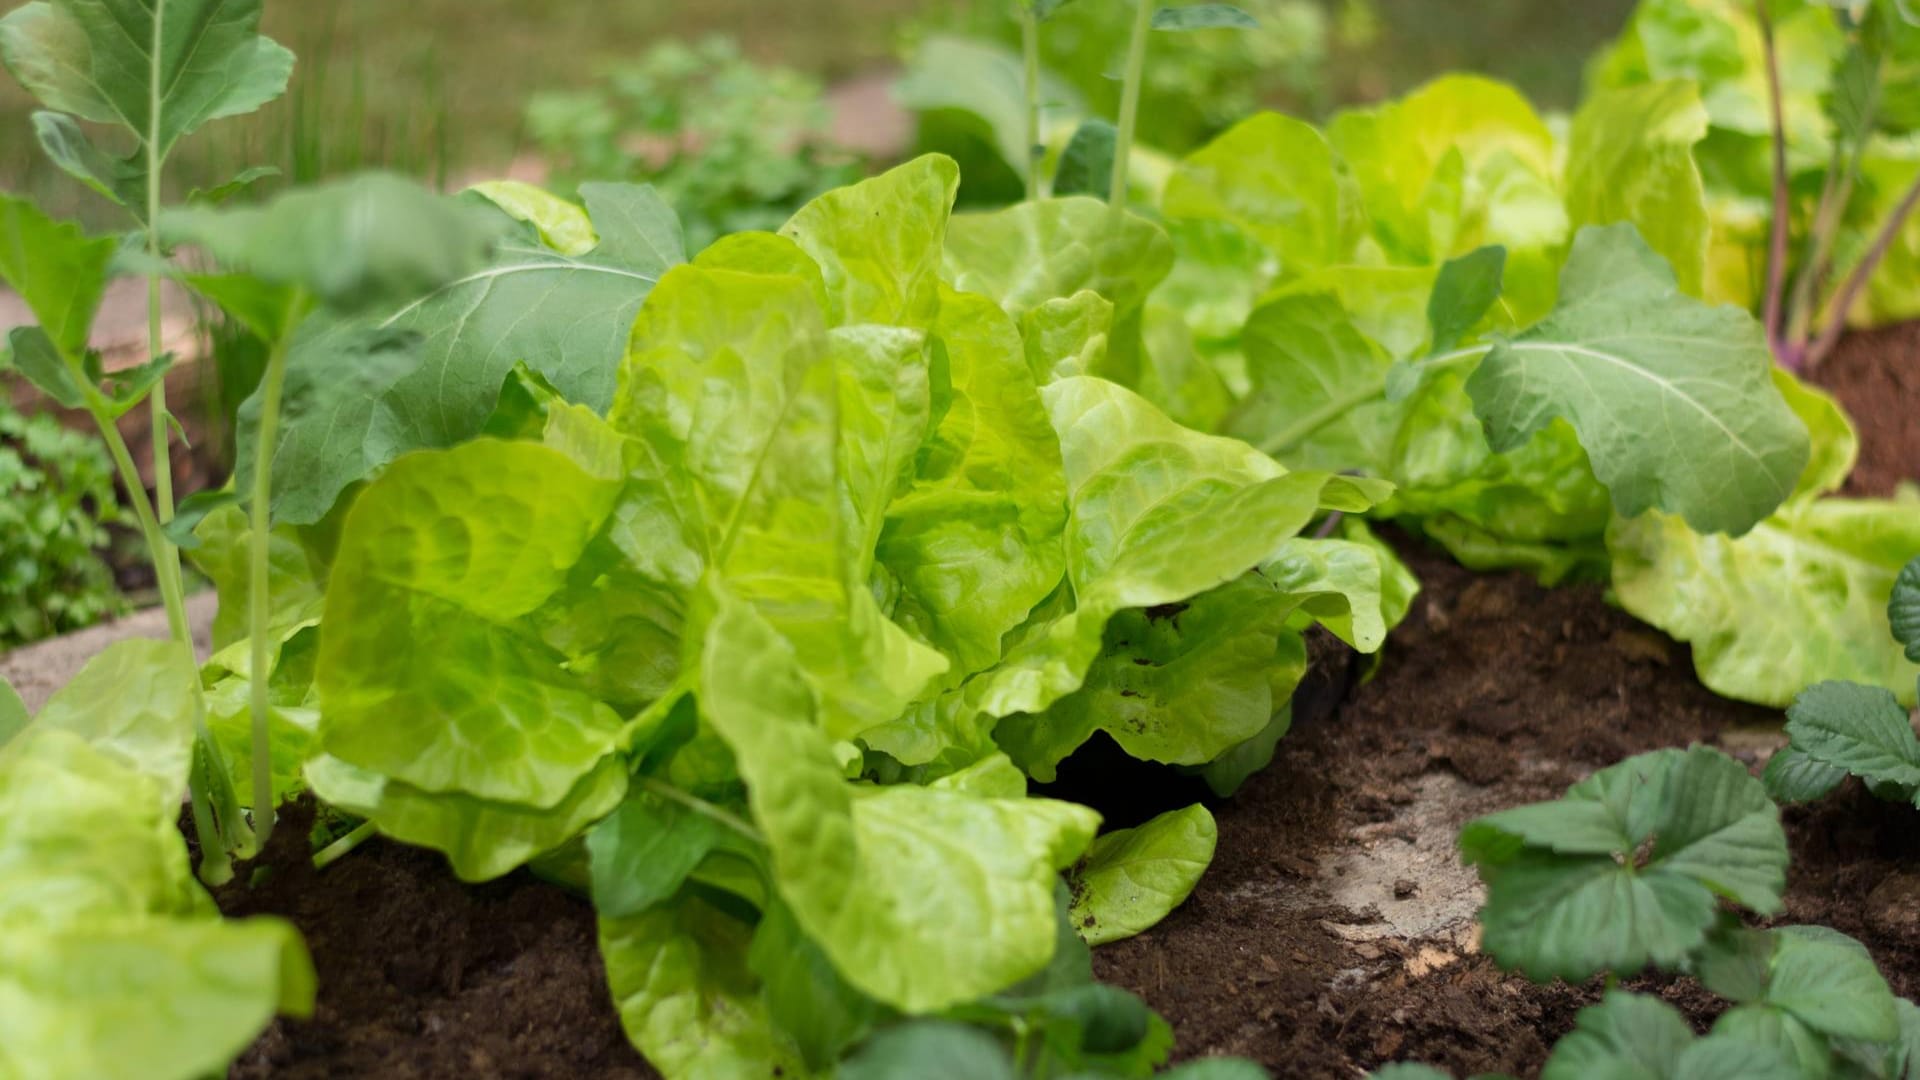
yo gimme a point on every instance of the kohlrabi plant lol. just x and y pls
(1638, 867)
(1840, 729)
(152, 74)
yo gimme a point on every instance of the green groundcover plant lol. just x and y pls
(56, 501)
(1643, 864)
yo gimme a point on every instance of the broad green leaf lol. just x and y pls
(733, 388)
(1763, 1025)
(1203, 17)
(1863, 730)
(372, 241)
(35, 356)
(166, 999)
(86, 839)
(160, 69)
(296, 577)
(268, 310)
(1033, 252)
(1574, 890)
(1631, 160)
(1067, 336)
(1181, 686)
(1799, 600)
(13, 713)
(644, 850)
(878, 242)
(135, 702)
(428, 673)
(1460, 163)
(1133, 878)
(56, 269)
(1389, 304)
(567, 317)
(482, 838)
(1175, 372)
(1317, 398)
(923, 897)
(1142, 490)
(975, 541)
(1465, 291)
(930, 1050)
(1341, 584)
(680, 982)
(765, 253)
(1903, 610)
(1792, 776)
(67, 146)
(805, 995)
(1086, 165)
(562, 225)
(1624, 345)
(1276, 179)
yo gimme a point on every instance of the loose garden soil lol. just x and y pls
(1334, 932)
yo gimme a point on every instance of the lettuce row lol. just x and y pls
(862, 540)
(113, 960)
(1508, 326)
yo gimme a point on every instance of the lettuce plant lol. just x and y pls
(1630, 868)
(1837, 729)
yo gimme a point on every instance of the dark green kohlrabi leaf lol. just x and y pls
(1903, 610)
(159, 69)
(1632, 1035)
(1571, 893)
(1673, 400)
(643, 852)
(1086, 165)
(1132, 878)
(370, 242)
(932, 1050)
(1466, 289)
(568, 317)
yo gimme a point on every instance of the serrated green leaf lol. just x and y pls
(931, 1050)
(159, 69)
(1624, 1035)
(1860, 729)
(1571, 891)
(1623, 343)
(1763, 1025)
(1133, 878)
(1793, 777)
(1203, 17)
(1903, 609)
(67, 146)
(1800, 599)
(35, 356)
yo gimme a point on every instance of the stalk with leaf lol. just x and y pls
(1805, 311)
(152, 71)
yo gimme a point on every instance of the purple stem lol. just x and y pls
(1777, 244)
(1856, 282)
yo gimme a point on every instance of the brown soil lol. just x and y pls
(1334, 932)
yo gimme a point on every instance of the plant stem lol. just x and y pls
(1129, 111)
(259, 597)
(1856, 282)
(1030, 50)
(335, 851)
(1777, 242)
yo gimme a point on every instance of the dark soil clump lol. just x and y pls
(1876, 376)
(423, 978)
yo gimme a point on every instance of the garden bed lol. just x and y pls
(1335, 930)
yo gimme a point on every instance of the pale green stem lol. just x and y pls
(1129, 111)
(1030, 50)
(259, 594)
(333, 852)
